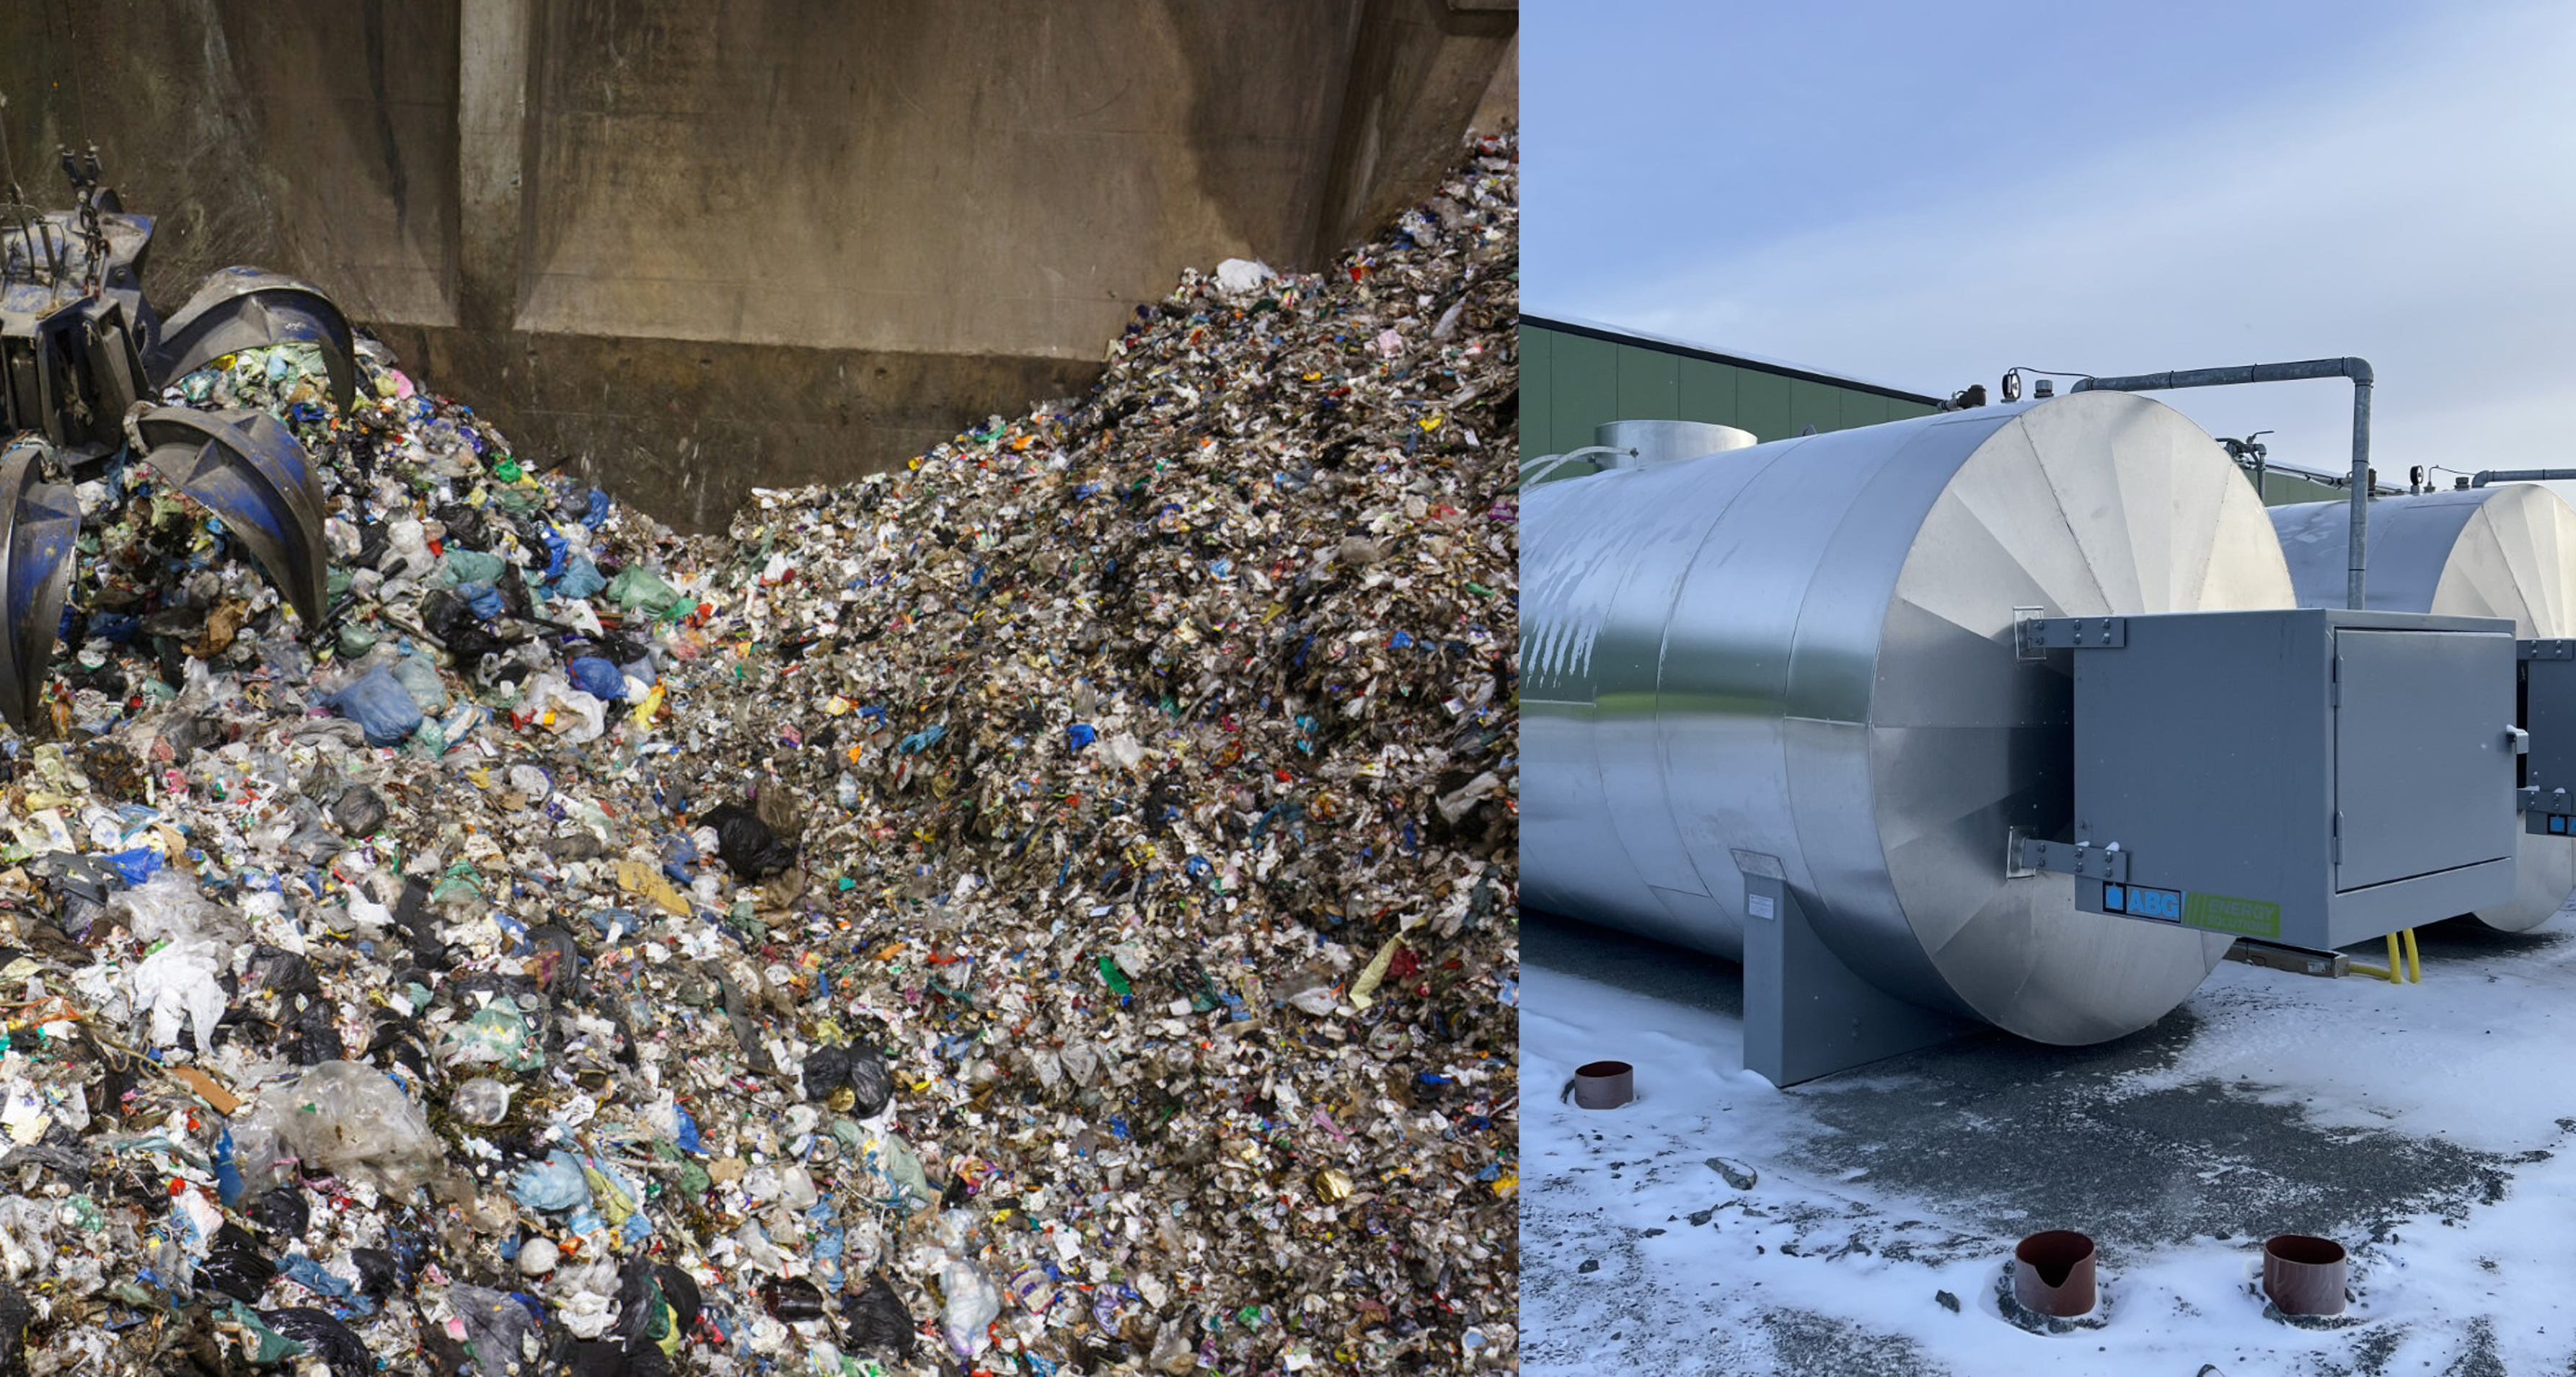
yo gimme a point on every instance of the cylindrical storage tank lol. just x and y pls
(2507, 551)
(1662, 442)
(1805, 650)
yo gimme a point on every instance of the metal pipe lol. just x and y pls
(2303, 1275)
(2358, 370)
(1536, 470)
(2486, 476)
(2053, 1274)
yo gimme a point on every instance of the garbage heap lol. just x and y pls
(1050, 909)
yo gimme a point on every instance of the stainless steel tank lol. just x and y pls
(1805, 650)
(2506, 551)
(1661, 442)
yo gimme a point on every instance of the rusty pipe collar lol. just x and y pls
(2303, 1275)
(2053, 1274)
(1604, 1084)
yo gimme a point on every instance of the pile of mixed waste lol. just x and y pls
(1050, 909)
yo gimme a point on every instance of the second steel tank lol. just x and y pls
(1804, 650)
(2507, 551)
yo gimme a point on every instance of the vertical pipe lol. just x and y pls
(2357, 572)
(2356, 369)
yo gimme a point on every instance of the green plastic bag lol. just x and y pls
(638, 589)
(265, 1345)
(474, 566)
(498, 1029)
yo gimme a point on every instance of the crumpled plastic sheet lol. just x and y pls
(351, 1120)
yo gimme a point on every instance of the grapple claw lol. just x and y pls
(38, 523)
(249, 308)
(82, 355)
(249, 470)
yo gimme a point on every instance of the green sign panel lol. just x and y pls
(2244, 917)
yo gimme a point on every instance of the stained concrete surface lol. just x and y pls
(700, 246)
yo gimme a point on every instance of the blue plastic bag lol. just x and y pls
(482, 599)
(580, 579)
(137, 865)
(598, 678)
(921, 740)
(558, 552)
(553, 1184)
(381, 705)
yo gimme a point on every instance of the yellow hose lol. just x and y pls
(2404, 964)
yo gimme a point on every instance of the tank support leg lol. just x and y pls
(1805, 1013)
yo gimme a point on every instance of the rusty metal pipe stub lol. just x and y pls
(1604, 1084)
(2303, 1275)
(2053, 1273)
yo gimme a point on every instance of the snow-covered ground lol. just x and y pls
(2426, 1127)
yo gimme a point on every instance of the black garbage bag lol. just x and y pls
(313, 1037)
(642, 1320)
(871, 1078)
(514, 594)
(359, 812)
(875, 1320)
(378, 1273)
(280, 972)
(419, 930)
(792, 1299)
(859, 1066)
(607, 1358)
(282, 1211)
(680, 1290)
(826, 1069)
(558, 957)
(15, 1311)
(339, 1347)
(465, 526)
(236, 1265)
(617, 650)
(445, 616)
(748, 847)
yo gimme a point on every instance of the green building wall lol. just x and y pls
(1574, 377)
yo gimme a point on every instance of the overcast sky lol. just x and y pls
(1923, 195)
